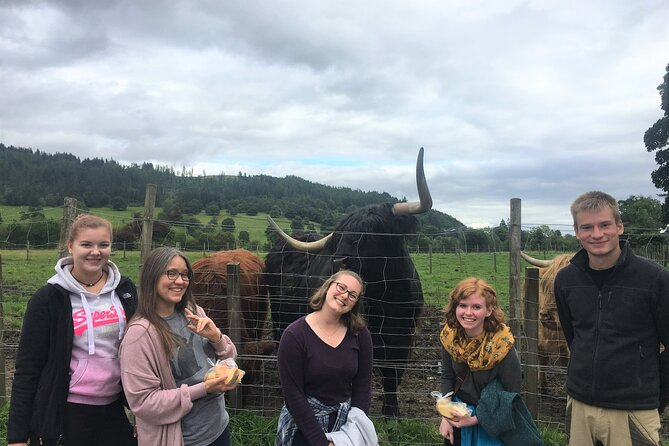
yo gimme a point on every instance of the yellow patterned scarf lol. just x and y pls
(480, 353)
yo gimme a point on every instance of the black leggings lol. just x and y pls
(299, 440)
(456, 438)
(87, 425)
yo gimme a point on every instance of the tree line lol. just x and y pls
(35, 179)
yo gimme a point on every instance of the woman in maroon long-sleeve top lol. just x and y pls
(325, 364)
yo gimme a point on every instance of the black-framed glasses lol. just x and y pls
(172, 274)
(352, 295)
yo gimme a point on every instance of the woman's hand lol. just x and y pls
(218, 385)
(464, 421)
(203, 326)
(446, 429)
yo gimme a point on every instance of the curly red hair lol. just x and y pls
(463, 290)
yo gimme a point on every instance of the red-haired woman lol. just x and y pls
(476, 349)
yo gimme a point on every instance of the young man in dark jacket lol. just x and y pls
(614, 311)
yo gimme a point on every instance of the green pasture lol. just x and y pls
(24, 271)
(254, 224)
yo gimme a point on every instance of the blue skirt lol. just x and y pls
(476, 435)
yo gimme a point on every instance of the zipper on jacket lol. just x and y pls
(594, 356)
(59, 441)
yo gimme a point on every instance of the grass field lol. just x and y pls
(24, 272)
(255, 225)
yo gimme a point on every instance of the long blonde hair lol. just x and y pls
(354, 320)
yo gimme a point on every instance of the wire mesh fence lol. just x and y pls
(26, 267)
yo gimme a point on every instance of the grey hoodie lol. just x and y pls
(99, 323)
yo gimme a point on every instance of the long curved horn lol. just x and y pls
(536, 262)
(425, 203)
(299, 245)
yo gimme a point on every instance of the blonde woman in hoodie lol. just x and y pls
(67, 384)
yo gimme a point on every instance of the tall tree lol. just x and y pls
(640, 213)
(656, 138)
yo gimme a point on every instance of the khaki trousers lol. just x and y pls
(596, 426)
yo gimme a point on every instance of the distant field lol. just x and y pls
(254, 225)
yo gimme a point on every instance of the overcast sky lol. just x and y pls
(538, 100)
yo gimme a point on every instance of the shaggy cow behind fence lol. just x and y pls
(210, 290)
(552, 348)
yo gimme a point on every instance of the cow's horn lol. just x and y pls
(314, 246)
(425, 203)
(536, 262)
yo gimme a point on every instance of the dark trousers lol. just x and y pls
(299, 440)
(87, 425)
(456, 438)
(223, 439)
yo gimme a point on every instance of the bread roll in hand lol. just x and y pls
(228, 369)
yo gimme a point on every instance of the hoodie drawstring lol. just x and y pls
(89, 320)
(89, 324)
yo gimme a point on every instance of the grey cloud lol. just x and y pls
(535, 100)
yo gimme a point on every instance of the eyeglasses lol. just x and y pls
(172, 274)
(352, 295)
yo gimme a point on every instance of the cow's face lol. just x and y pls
(372, 241)
(548, 317)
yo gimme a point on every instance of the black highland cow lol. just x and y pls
(370, 241)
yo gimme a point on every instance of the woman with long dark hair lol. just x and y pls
(167, 350)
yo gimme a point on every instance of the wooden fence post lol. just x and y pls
(69, 214)
(234, 323)
(494, 261)
(514, 268)
(531, 325)
(430, 257)
(147, 222)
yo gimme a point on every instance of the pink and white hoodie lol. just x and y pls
(99, 321)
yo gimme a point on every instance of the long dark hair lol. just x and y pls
(354, 319)
(153, 268)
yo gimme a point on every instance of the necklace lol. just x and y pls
(89, 284)
(328, 335)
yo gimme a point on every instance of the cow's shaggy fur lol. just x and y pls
(210, 291)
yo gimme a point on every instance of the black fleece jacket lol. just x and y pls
(42, 376)
(614, 333)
